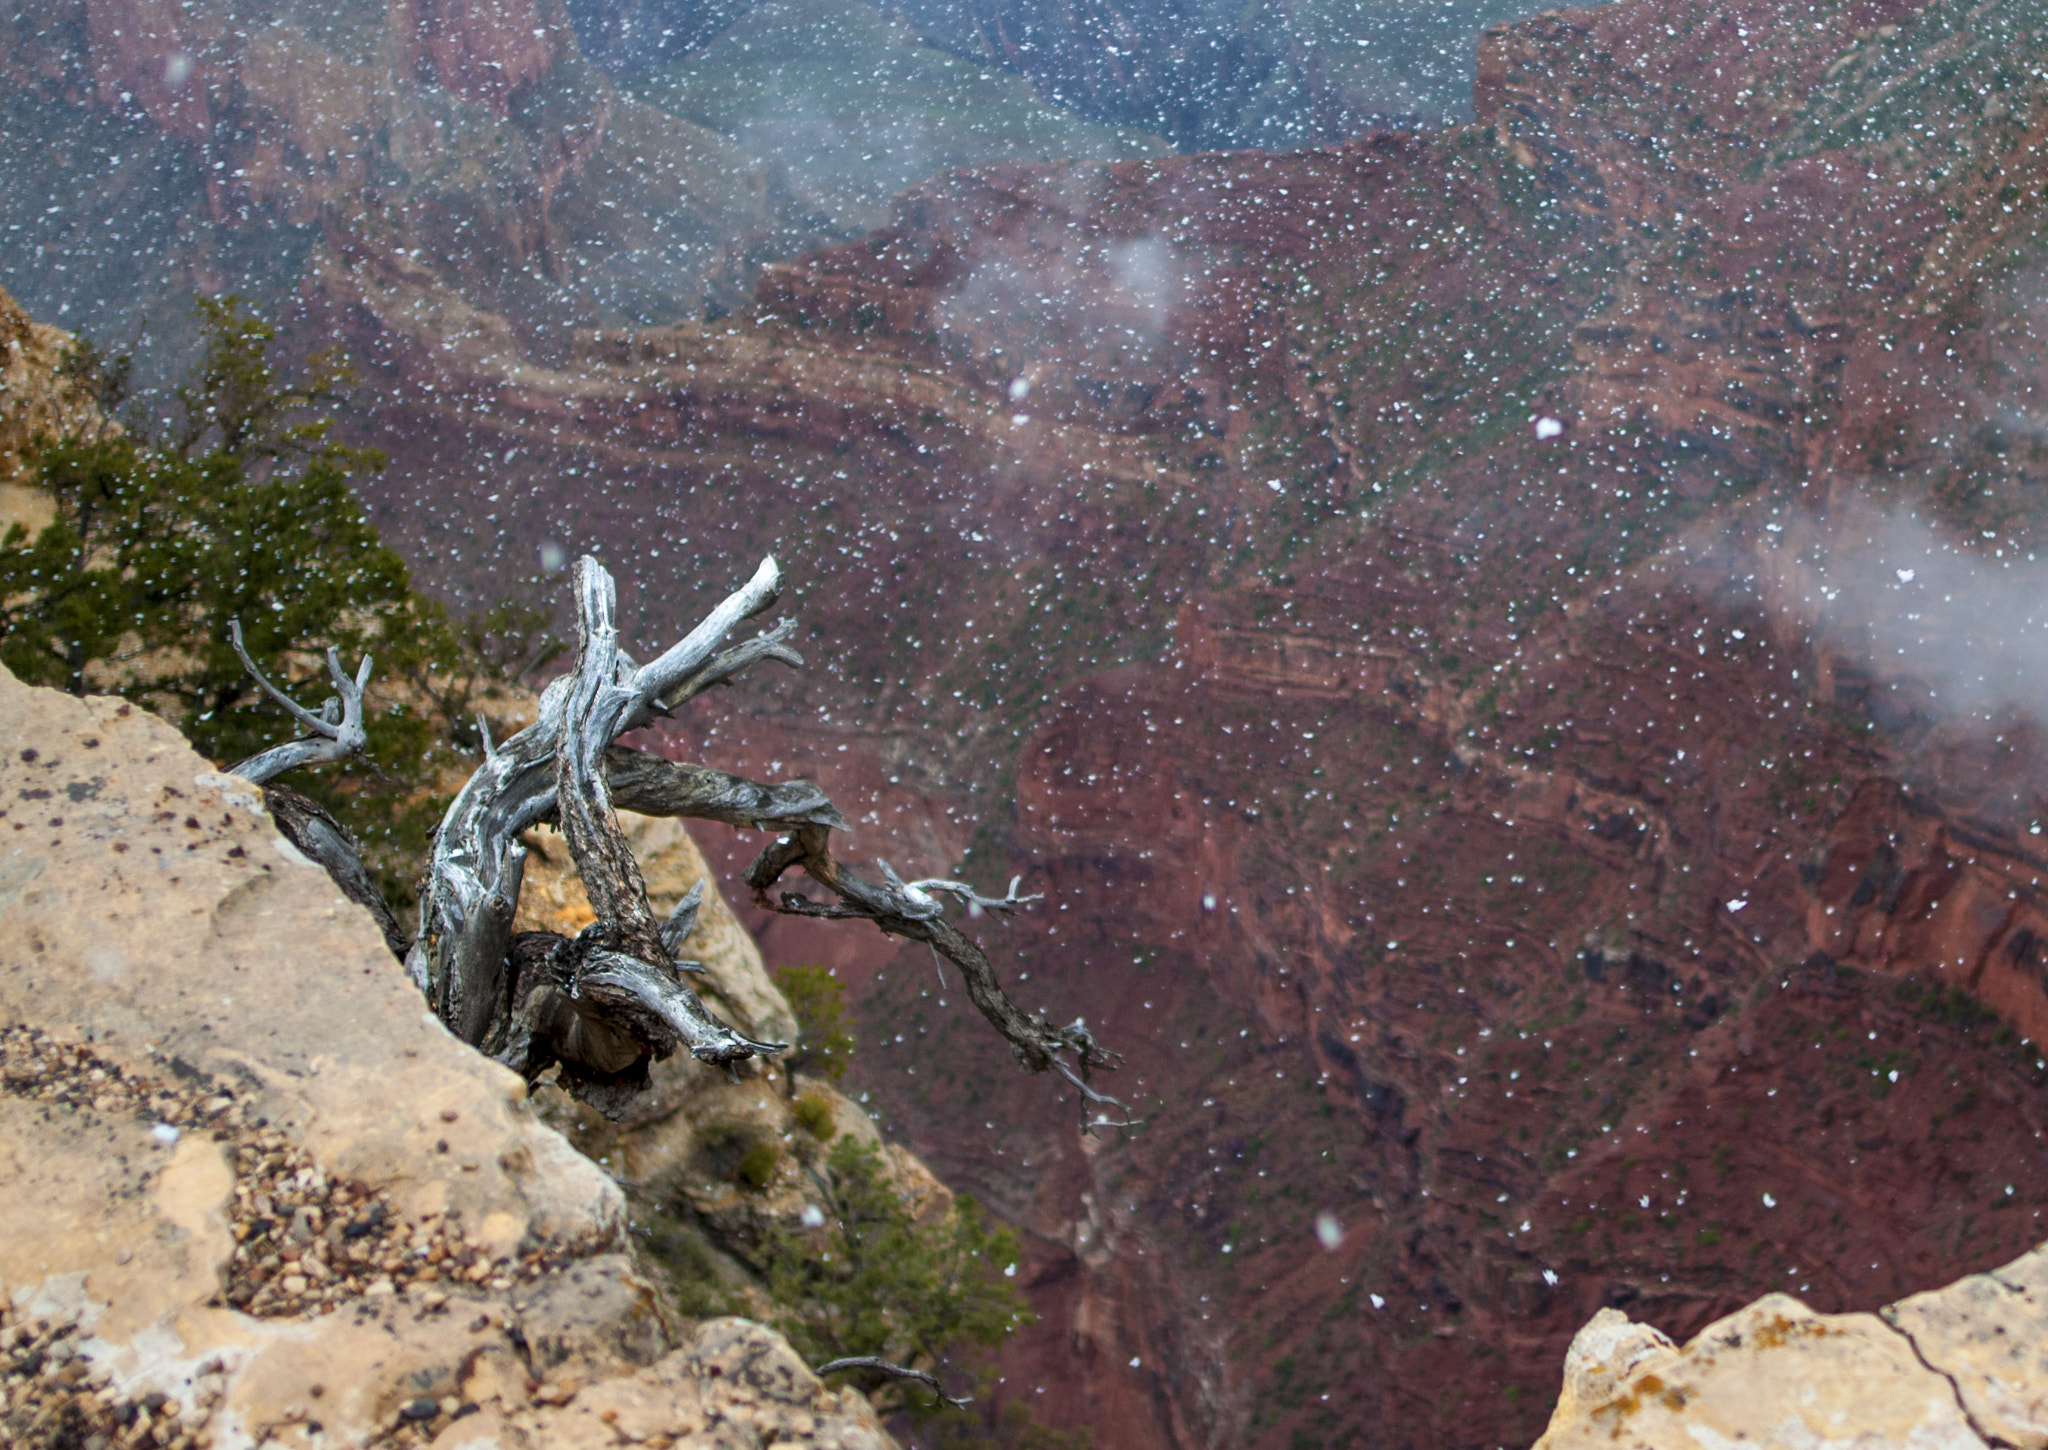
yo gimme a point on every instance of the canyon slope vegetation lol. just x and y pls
(1509, 649)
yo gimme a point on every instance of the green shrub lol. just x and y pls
(756, 1168)
(876, 1282)
(814, 1115)
(819, 1001)
(739, 1152)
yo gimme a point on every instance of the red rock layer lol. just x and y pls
(1536, 849)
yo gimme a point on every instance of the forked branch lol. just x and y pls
(626, 973)
(463, 957)
(336, 733)
(605, 1004)
(909, 911)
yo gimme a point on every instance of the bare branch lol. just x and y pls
(890, 1370)
(976, 903)
(328, 844)
(332, 738)
(675, 666)
(655, 787)
(605, 1003)
(460, 959)
(625, 973)
(729, 664)
(1035, 1042)
(1090, 1095)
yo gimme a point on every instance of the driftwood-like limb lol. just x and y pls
(604, 1004)
(874, 1365)
(461, 958)
(337, 731)
(656, 787)
(1035, 1042)
(920, 894)
(327, 843)
(623, 973)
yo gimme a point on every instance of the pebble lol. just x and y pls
(305, 1244)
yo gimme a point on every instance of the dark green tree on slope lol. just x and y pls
(241, 510)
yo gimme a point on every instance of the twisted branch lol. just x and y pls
(625, 973)
(888, 1369)
(910, 912)
(606, 1003)
(462, 958)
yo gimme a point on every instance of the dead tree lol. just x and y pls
(599, 1007)
(335, 733)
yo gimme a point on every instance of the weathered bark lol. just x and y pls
(908, 909)
(326, 842)
(620, 972)
(337, 733)
(880, 1371)
(601, 1006)
(472, 891)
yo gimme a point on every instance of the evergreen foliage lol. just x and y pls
(874, 1281)
(241, 510)
(819, 1001)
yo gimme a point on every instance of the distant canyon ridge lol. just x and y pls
(1508, 647)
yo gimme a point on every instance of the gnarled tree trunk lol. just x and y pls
(601, 1006)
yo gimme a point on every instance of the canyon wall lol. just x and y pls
(1509, 651)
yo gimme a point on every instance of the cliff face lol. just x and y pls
(459, 170)
(253, 1194)
(42, 395)
(1506, 650)
(1509, 652)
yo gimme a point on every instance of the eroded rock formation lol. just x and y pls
(250, 1191)
(42, 395)
(1460, 626)
(1961, 1365)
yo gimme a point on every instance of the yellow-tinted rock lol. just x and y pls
(1605, 1353)
(1773, 1374)
(734, 976)
(1989, 1334)
(38, 399)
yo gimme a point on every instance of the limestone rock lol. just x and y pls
(682, 1144)
(734, 976)
(1989, 1334)
(251, 1190)
(1773, 1374)
(38, 398)
(1607, 1351)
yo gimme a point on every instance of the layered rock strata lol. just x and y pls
(1505, 649)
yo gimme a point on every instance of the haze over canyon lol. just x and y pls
(1508, 632)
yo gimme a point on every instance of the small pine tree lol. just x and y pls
(819, 1001)
(874, 1281)
(242, 511)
